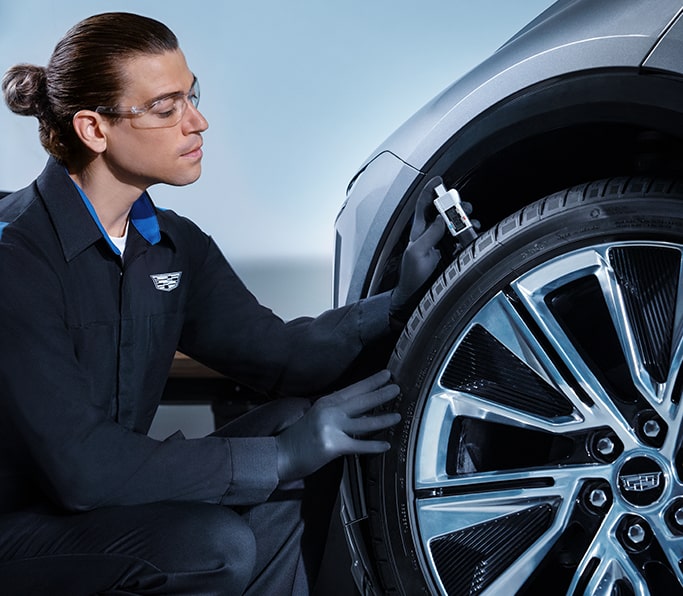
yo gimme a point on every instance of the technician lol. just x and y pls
(98, 289)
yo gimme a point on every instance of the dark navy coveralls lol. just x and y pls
(86, 343)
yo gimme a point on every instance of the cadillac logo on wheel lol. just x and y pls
(641, 481)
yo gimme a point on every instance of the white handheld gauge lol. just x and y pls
(449, 205)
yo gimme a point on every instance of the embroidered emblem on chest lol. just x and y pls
(166, 282)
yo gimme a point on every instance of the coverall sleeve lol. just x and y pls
(227, 329)
(61, 429)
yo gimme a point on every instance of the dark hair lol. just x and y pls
(85, 71)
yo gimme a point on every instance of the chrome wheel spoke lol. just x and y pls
(634, 292)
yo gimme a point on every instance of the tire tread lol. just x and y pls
(591, 192)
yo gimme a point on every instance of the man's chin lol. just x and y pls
(184, 180)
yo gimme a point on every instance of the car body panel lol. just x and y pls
(592, 35)
(666, 55)
(360, 226)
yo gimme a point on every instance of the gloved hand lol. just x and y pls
(327, 429)
(421, 256)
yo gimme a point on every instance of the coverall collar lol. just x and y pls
(74, 217)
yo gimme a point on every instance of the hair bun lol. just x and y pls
(24, 88)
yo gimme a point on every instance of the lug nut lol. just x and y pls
(651, 428)
(597, 498)
(605, 446)
(678, 517)
(636, 533)
(674, 516)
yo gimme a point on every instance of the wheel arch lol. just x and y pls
(556, 134)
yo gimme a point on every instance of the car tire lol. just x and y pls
(540, 384)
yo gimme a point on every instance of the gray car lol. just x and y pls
(540, 444)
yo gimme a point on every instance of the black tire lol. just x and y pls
(540, 407)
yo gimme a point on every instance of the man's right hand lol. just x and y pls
(330, 427)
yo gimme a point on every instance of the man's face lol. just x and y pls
(145, 156)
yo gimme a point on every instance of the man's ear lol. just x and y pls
(91, 129)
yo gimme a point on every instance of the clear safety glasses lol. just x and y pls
(159, 113)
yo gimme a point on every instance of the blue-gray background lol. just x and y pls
(297, 95)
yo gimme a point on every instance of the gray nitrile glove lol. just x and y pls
(421, 256)
(327, 430)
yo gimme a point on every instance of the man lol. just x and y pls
(98, 290)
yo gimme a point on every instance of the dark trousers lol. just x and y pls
(274, 548)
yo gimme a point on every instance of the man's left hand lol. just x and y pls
(421, 256)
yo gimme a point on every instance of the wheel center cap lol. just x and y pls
(641, 481)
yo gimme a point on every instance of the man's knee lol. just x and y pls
(208, 545)
(221, 539)
(161, 548)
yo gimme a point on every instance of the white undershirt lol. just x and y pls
(120, 242)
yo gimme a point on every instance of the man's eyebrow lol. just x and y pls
(171, 93)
